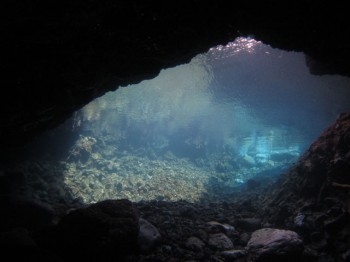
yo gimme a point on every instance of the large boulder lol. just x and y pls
(26, 213)
(105, 231)
(18, 245)
(269, 244)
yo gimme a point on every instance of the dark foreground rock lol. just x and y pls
(313, 198)
(148, 236)
(20, 212)
(104, 231)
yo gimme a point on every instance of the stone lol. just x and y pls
(270, 244)
(189, 212)
(216, 227)
(194, 244)
(299, 220)
(232, 255)
(148, 237)
(220, 241)
(244, 238)
(18, 245)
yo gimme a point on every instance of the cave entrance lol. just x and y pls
(239, 113)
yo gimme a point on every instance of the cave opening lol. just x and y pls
(232, 119)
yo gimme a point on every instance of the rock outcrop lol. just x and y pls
(107, 230)
(314, 197)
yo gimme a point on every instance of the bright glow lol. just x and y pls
(240, 45)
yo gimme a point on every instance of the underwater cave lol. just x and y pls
(235, 150)
(237, 115)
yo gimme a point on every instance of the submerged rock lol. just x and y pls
(216, 227)
(233, 255)
(20, 212)
(148, 237)
(220, 241)
(243, 239)
(269, 244)
(107, 229)
(195, 244)
(18, 245)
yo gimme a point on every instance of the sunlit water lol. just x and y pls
(201, 130)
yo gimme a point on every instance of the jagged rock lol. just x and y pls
(148, 237)
(269, 244)
(220, 241)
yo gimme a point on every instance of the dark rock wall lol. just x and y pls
(56, 56)
(314, 197)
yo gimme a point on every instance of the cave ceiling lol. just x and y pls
(56, 56)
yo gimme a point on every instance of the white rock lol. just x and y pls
(269, 244)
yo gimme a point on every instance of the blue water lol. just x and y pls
(200, 130)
